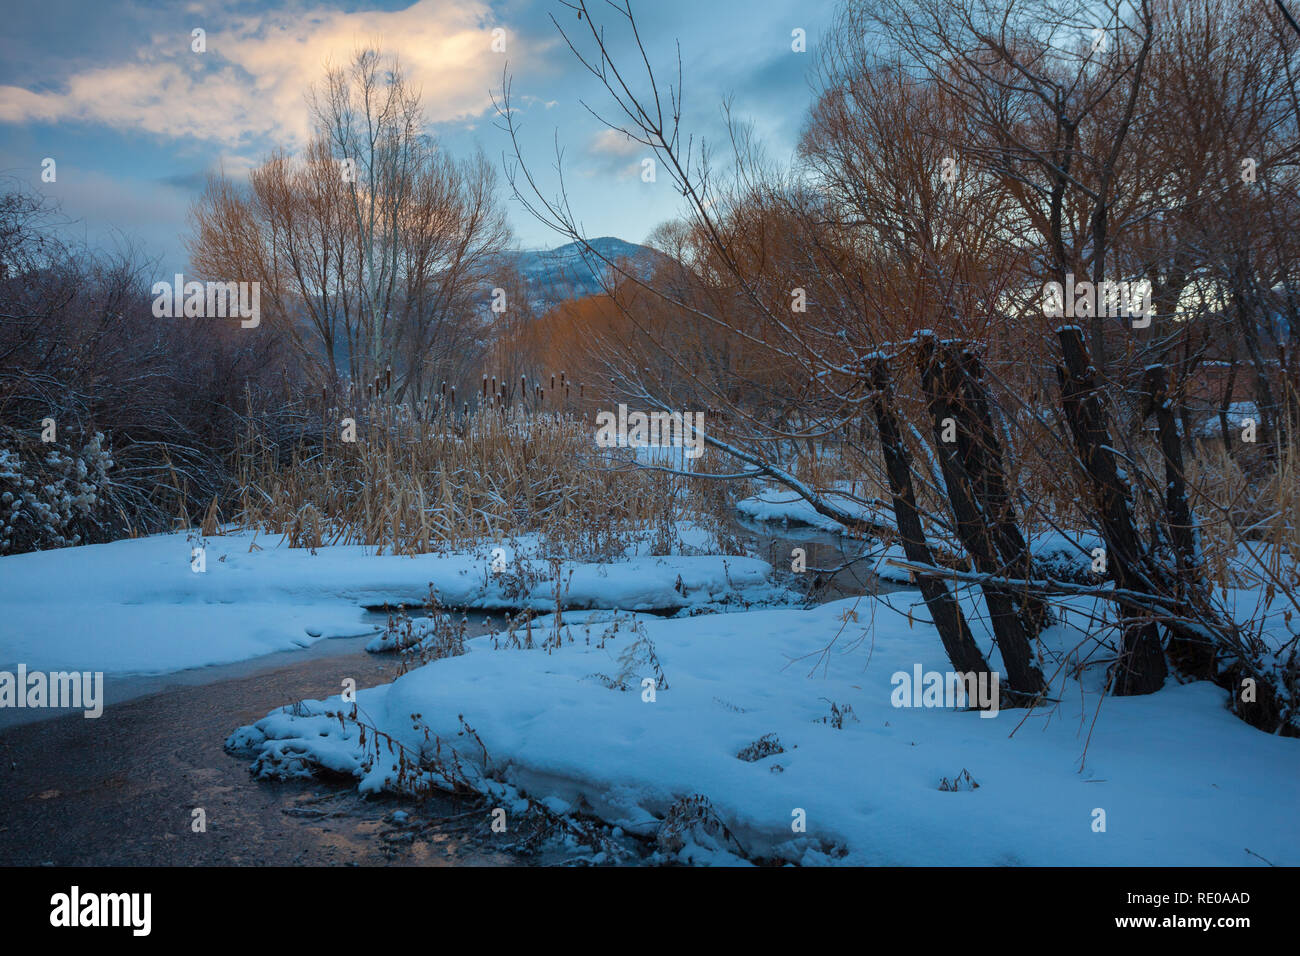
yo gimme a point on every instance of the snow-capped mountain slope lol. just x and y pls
(572, 271)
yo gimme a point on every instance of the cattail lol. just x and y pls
(485, 384)
(388, 377)
(552, 381)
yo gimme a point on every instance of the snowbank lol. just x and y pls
(788, 507)
(1057, 554)
(136, 606)
(1180, 780)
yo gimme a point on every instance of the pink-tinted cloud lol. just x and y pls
(249, 85)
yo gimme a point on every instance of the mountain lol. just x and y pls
(572, 271)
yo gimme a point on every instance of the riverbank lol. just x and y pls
(121, 790)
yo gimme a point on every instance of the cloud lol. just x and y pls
(227, 166)
(249, 85)
(614, 156)
(615, 145)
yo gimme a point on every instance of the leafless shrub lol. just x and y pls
(764, 746)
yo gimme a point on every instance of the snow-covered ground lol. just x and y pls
(138, 606)
(774, 715)
(787, 507)
(1057, 553)
(1168, 779)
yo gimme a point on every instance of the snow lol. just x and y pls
(1180, 779)
(1238, 413)
(573, 272)
(136, 607)
(1057, 553)
(787, 506)
(744, 709)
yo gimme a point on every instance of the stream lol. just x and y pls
(121, 790)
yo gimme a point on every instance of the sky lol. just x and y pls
(135, 119)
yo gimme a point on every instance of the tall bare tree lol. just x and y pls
(375, 248)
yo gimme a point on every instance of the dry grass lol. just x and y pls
(1248, 511)
(414, 484)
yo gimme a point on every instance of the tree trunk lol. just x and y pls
(943, 386)
(1266, 406)
(980, 448)
(1225, 428)
(1194, 654)
(1141, 668)
(963, 652)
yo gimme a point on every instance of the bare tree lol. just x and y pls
(374, 248)
(961, 152)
